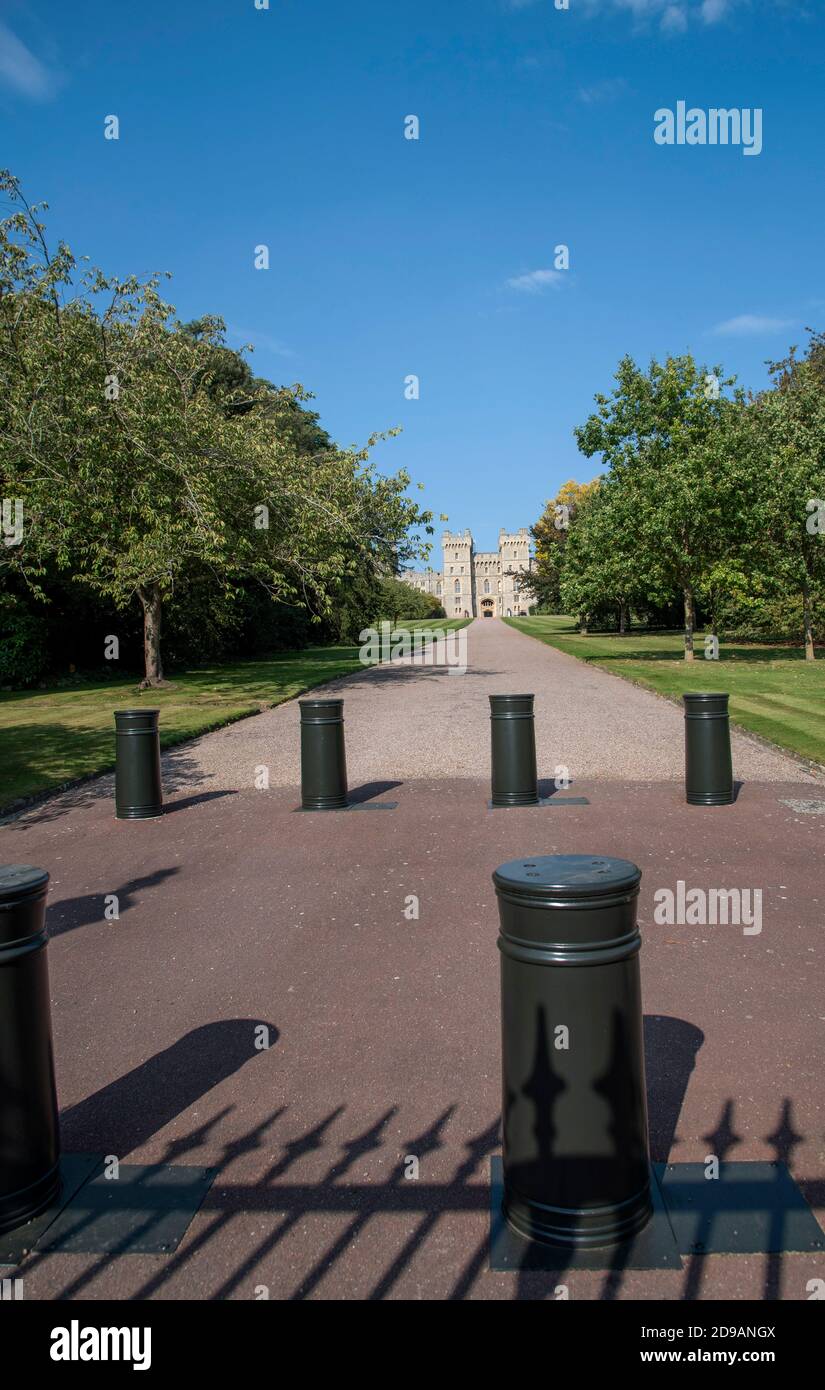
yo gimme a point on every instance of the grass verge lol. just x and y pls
(773, 691)
(52, 737)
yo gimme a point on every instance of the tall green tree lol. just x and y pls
(789, 421)
(551, 533)
(677, 447)
(601, 567)
(132, 467)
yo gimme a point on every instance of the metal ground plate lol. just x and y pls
(750, 1209)
(145, 1210)
(653, 1248)
(75, 1170)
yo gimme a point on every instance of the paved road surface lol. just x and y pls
(419, 721)
(384, 1029)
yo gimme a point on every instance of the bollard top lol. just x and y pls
(511, 705)
(547, 879)
(322, 711)
(19, 882)
(705, 703)
(137, 718)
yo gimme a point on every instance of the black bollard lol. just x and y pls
(513, 736)
(575, 1142)
(29, 1132)
(323, 755)
(138, 788)
(708, 765)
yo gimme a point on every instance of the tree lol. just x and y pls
(601, 567)
(133, 467)
(551, 533)
(400, 602)
(789, 421)
(678, 448)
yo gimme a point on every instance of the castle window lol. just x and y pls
(486, 586)
(458, 586)
(438, 588)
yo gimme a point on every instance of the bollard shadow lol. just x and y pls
(128, 1112)
(737, 787)
(368, 791)
(547, 788)
(70, 913)
(189, 801)
(671, 1046)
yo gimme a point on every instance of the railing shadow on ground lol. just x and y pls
(127, 1113)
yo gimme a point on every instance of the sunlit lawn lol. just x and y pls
(773, 691)
(48, 737)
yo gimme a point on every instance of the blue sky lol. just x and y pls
(388, 257)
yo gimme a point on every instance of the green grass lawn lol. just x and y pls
(773, 691)
(50, 737)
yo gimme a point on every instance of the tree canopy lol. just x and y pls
(144, 450)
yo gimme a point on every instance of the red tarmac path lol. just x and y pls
(237, 911)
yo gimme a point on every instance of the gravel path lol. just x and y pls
(405, 721)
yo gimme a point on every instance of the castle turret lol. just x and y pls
(516, 564)
(458, 582)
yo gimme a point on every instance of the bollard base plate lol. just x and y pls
(653, 1247)
(351, 806)
(542, 801)
(75, 1170)
(147, 1210)
(22, 1207)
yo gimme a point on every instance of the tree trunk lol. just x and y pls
(152, 602)
(583, 625)
(690, 622)
(622, 618)
(807, 619)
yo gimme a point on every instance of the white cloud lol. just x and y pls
(21, 70)
(608, 90)
(674, 20)
(751, 326)
(536, 281)
(714, 10)
(673, 16)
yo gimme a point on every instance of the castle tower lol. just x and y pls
(516, 564)
(458, 583)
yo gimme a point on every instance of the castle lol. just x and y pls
(480, 584)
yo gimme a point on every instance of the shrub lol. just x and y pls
(24, 645)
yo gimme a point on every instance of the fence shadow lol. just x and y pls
(297, 1224)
